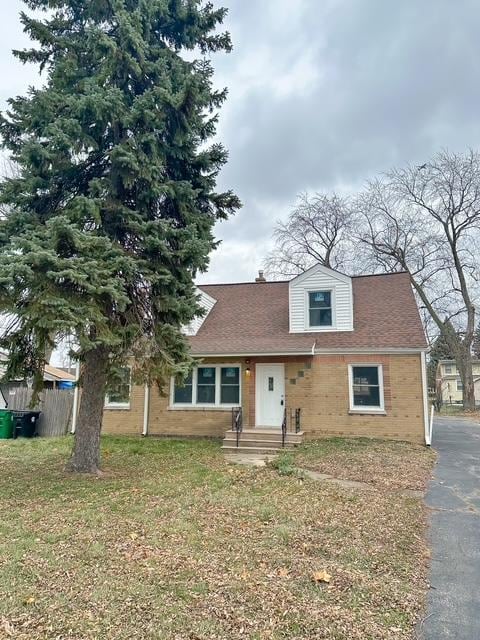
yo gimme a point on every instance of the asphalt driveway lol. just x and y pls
(454, 497)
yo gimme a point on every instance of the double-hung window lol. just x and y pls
(209, 386)
(118, 395)
(206, 385)
(230, 385)
(320, 310)
(183, 393)
(366, 387)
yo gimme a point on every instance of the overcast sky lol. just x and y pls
(323, 94)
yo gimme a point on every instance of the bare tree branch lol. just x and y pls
(318, 230)
(426, 220)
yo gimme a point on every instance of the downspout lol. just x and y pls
(428, 439)
(146, 410)
(75, 398)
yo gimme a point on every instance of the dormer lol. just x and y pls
(320, 299)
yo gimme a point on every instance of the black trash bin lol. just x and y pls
(25, 423)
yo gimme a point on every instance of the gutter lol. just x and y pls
(146, 410)
(249, 354)
(380, 350)
(423, 364)
(76, 394)
(315, 351)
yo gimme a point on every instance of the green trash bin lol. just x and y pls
(6, 424)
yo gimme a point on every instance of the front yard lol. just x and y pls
(173, 543)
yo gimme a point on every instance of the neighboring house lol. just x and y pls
(53, 377)
(449, 384)
(349, 352)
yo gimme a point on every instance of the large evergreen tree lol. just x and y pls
(111, 213)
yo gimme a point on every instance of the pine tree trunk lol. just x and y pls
(86, 449)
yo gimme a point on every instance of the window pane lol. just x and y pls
(320, 317)
(364, 396)
(183, 395)
(206, 385)
(206, 394)
(230, 385)
(230, 395)
(365, 375)
(230, 375)
(119, 392)
(319, 299)
(206, 375)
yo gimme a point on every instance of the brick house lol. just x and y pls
(348, 352)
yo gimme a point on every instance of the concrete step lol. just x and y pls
(265, 434)
(277, 444)
(249, 450)
(260, 441)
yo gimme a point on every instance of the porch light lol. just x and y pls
(247, 371)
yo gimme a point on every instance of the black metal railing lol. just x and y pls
(295, 420)
(237, 422)
(284, 427)
(298, 413)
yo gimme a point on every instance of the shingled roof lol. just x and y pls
(253, 318)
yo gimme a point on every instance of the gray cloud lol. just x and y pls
(323, 95)
(340, 92)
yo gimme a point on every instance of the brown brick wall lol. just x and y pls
(196, 422)
(126, 421)
(323, 395)
(318, 385)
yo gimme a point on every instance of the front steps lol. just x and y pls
(260, 441)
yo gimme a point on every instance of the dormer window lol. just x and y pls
(320, 309)
(320, 300)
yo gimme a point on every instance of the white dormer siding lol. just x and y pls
(321, 279)
(207, 303)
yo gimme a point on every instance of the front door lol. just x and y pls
(270, 395)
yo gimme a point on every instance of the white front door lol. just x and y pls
(270, 394)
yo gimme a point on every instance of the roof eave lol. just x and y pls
(251, 354)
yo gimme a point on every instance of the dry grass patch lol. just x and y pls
(386, 464)
(457, 411)
(175, 544)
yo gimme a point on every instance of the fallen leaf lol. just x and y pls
(283, 573)
(321, 576)
(133, 536)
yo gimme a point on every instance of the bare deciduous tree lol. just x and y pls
(426, 220)
(318, 230)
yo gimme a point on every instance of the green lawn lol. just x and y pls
(172, 543)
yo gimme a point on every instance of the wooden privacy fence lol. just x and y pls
(55, 404)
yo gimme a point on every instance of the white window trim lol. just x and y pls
(315, 328)
(121, 405)
(215, 407)
(366, 409)
(459, 382)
